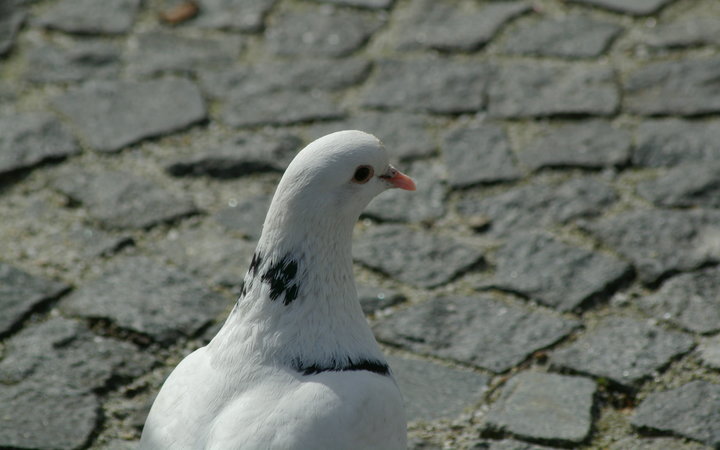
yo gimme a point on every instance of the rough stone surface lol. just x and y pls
(578, 275)
(246, 216)
(632, 7)
(479, 154)
(463, 26)
(623, 350)
(591, 145)
(279, 108)
(56, 352)
(693, 31)
(669, 142)
(709, 350)
(233, 15)
(302, 75)
(432, 391)
(545, 406)
(415, 257)
(320, 32)
(220, 260)
(538, 205)
(658, 443)
(239, 156)
(685, 186)
(157, 300)
(112, 115)
(509, 444)
(46, 416)
(552, 89)
(661, 242)
(30, 139)
(428, 85)
(20, 293)
(689, 300)
(373, 299)
(480, 331)
(692, 410)
(571, 36)
(683, 87)
(155, 52)
(426, 204)
(203, 112)
(12, 18)
(91, 17)
(406, 136)
(123, 200)
(77, 62)
(369, 4)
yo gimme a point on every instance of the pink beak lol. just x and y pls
(398, 179)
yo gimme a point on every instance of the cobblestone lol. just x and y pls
(545, 407)
(552, 283)
(474, 330)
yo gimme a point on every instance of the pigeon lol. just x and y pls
(295, 365)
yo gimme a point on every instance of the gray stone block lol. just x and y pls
(631, 7)
(147, 297)
(12, 17)
(238, 157)
(545, 89)
(298, 75)
(21, 292)
(30, 139)
(689, 300)
(419, 258)
(320, 32)
(233, 15)
(112, 115)
(154, 52)
(462, 26)
(432, 391)
(43, 416)
(545, 406)
(90, 16)
(480, 331)
(441, 86)
(79, 61)
(564, 277)
(589, 144)
(685, 87)
(685, 186)
(659, 242)
(623, 350)
(669, 142)
(692, 411)
(480, 154)
(287, 107)
(570, 36)
(538, 205)
(122, 199)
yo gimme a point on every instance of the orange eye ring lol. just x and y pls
(363, 174)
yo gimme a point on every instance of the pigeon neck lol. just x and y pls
(299, 305)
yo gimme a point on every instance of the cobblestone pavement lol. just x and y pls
(553, 283)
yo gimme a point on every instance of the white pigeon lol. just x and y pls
(295, 366)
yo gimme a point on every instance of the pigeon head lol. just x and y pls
(334, 178)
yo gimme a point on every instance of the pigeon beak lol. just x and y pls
(398, 179)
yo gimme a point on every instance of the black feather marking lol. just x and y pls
(369, 365)
(255, 263)
(281, 278)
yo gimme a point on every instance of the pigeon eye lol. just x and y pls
(362, 174)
